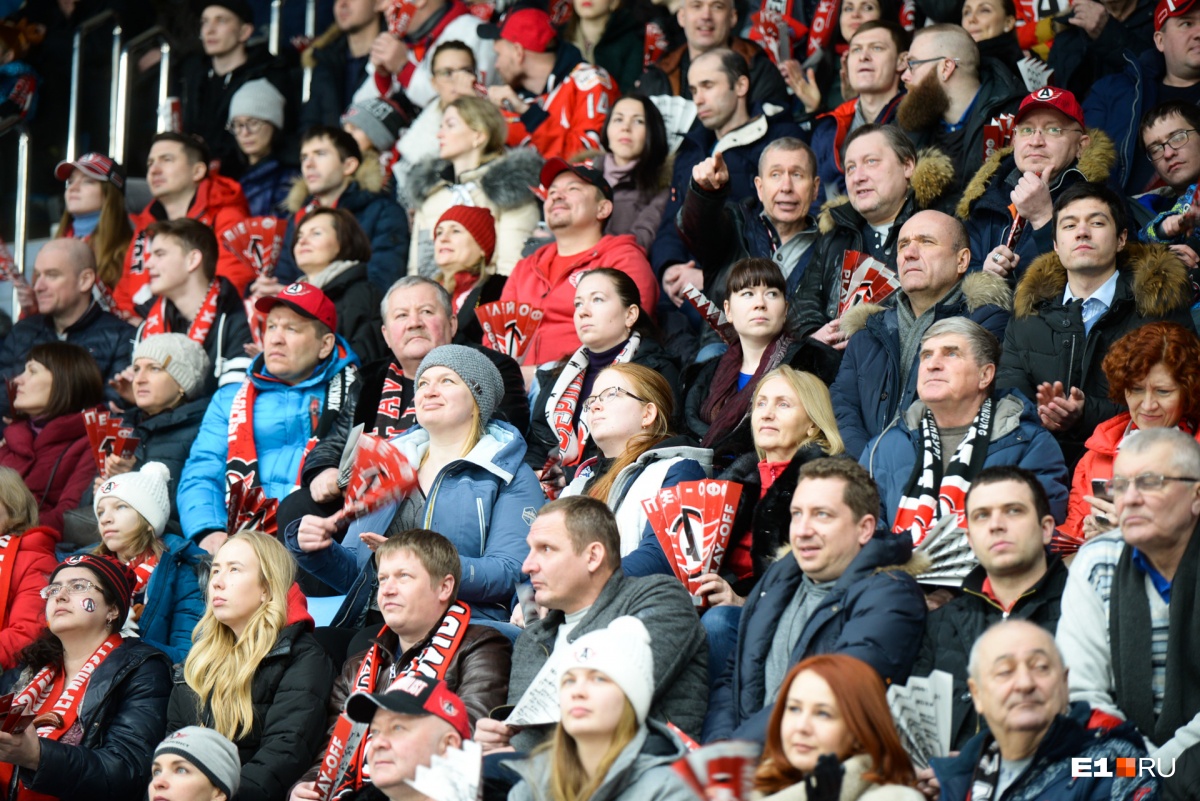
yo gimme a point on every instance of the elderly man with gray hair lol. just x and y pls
(1132, 595)
(925, 461)
(1035, 740)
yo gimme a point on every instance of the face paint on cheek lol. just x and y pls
(88, 605)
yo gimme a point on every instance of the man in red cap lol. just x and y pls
(1051, 151)
(578, 201)
(1170, 71)
(552, 98)
(264, 427)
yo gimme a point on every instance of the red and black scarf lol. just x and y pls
(933, 493)
(726, 406)
(156, 320)
(343, 770)
(393, 415)
(562, 409)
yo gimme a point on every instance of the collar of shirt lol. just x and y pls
(963, 119)
(1157, 579)
(1104, 294)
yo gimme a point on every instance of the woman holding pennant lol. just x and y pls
(87, 706)
(472, 486)
(255, 674)
(628, 413)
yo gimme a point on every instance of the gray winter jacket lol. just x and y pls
(642, 772)
(676, 638)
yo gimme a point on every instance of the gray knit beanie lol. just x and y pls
(258, 99)
(183, 359)
(481, 376)
(211, 753)
(378, 119)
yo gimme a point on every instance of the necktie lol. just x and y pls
(1093, 308)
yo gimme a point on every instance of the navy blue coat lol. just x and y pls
(122, 717)
(872, 614)
(266, 186)
(867, 394)
(383, 219)
(1116, 104)
(741, 149)
(1049, 774)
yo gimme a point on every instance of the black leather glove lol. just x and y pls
(825, 781)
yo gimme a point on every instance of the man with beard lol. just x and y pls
(952, 94)
(1017, 186)
(873, 67)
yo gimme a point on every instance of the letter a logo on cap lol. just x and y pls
(1045, 93)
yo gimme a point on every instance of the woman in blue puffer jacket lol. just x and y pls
(473, 487)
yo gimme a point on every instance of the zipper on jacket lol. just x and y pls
(482, 529)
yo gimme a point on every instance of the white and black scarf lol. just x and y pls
(563, 405)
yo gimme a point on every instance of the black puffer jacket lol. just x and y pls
(357, 302)
(289, 693)
(1045, 340)
(842, 228)
(122, 717)
(167, 437)
(951, 630)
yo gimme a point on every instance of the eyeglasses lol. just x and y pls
(1176, 140)
(1146, 482)
(73, 587)
(251, 125)
(450, 72)
(608, 396)
(1049, 132)
(912, 64)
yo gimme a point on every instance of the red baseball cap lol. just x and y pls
(303, 299)
(413, 695)
(529, 27)
(1060, 100)
(96, 166)
(555, 167)
(1170, 8)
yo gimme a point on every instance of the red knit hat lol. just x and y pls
(479, 223)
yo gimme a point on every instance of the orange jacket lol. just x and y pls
(219, 203)
(568, 117)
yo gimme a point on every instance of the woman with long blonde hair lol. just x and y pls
(604, 745)
(628, 415)
(255, 673)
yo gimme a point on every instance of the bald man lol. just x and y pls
(64, 274)
(878, 376)
(1033, 737)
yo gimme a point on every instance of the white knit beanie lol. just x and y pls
(145, 490)
(183, 358)
(258, 99)
(622, 652)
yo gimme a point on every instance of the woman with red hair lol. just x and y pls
(1155, 371)
(834, 707)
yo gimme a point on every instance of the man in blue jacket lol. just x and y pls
(925, 461)
(842, 590)
(264, 427)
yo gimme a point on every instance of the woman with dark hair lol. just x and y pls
(1155, 372)
(831, 735)
(635, 164)
(332, 252)
(95, 212)
(718, 392)
(609, 34)
(614, 329)
(47, 443)
(993, 26)
(100, 701)
(629, 416)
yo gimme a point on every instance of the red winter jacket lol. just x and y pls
(219, 203)
(568, 118)
(530, 283)
(24, 610)
(57, 464)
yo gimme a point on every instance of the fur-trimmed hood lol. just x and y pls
(505, 180)
(369, 176)
(1160, 282)
(1095, 163)
(932, 176)
(979, 289)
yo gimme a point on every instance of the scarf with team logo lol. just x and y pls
(156, 320)
(392, 416)
(562, 409)
(242, 461)
(343, 770)
(933, 493)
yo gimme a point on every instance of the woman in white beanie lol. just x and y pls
(167, 602)
(168, 378)
(604, 746)
(256, 122)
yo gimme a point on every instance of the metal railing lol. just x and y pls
(21, 223)
(310, 30)
(121, 112)
(77, 67)
(276, 29)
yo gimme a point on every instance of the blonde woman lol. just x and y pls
(472, 169)
(27, 556)
(628, 415)
(255, 673)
